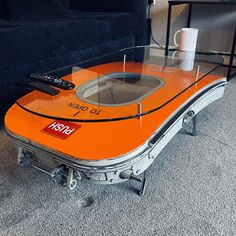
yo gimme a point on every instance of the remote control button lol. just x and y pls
(53, 81)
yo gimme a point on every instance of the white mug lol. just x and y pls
(188, 39)
(185, 60)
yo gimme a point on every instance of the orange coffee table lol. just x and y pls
(124, 108)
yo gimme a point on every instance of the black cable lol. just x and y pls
(151, 34)
(153, 39)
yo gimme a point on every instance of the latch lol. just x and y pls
(188, 117)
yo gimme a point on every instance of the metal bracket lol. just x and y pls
(66, 177)
(72, 179)
(188, 117)
(128, 174)
(23, 158)
(191, 116)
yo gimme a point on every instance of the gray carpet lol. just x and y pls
(191, 189)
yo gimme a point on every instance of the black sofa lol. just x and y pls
(43, 35)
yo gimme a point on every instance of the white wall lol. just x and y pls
(215, 23)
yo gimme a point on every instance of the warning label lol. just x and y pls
(61, 129)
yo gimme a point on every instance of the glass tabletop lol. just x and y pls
(128, 83)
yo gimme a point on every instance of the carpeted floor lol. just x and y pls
(191, 189)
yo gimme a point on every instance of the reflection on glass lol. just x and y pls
(118, 89)
(184, 60)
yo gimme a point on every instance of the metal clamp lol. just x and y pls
(188, 117)
(66, 177)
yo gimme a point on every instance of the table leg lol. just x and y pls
(143, 185)
(194, 132)
(231, 56)
(168, 29)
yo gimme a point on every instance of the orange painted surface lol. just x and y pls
(103, 140)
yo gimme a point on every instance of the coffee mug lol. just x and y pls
(184, 60)
(188, 39)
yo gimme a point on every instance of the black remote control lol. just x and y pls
(52, 80)
(40, 87)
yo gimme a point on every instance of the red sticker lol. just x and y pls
(61, 129)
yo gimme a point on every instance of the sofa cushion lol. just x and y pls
(45, 39)
(75, 14)
(4, 13)
(4, 23)
(99, 5)
(66, 3)
(35, 9)
(21, 44)
(88, 30)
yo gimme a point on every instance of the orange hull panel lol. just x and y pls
(105, 140)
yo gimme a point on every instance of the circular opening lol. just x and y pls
(118, 89)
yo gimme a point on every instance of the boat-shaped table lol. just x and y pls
(121, 111)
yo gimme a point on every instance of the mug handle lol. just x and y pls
(175, 36)
(173, 58)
